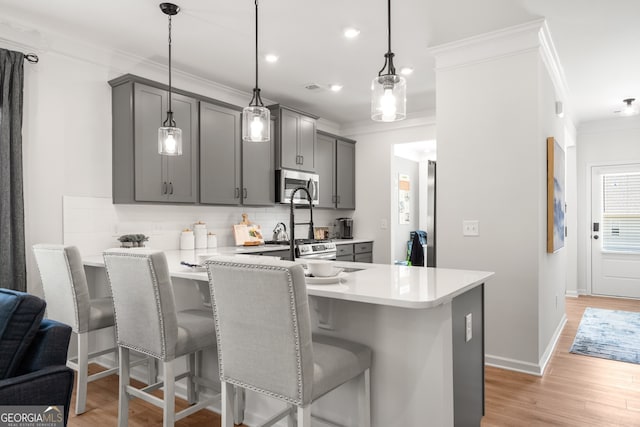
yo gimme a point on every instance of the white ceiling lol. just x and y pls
(596, 41)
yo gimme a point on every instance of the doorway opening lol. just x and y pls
(411, 189)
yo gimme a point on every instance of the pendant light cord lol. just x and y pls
(170, 111)
(256, 100)
(388, 57)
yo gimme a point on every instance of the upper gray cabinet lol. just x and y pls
(258, 175)
(220, 161)
(295, 138)
(335, 165)
(140, 174)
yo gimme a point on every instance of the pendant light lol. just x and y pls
(629, 109)
(169, 136)
(388, 90)
(256, 121)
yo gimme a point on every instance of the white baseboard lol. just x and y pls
(536, 369)
(572, 294)
(552, 344)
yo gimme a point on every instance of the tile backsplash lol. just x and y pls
(94, 223)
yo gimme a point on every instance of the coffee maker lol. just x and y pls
(345, 228)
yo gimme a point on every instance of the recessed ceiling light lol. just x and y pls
(335, 87)
(271, 58)
(351, 33)
(406, 71)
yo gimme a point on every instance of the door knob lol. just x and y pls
(596, 237)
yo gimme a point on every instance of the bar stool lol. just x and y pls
(147, 322)
(263, 329)
(67, 295)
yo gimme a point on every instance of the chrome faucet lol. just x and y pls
(293, 223)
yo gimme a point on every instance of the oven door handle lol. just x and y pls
(329, 256)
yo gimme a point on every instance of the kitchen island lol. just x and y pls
(424, 325)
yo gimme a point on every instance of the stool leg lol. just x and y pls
(123, 397)
(192, 396)
(152, 367)
(304, 415)
(227, 404)
(291, 418)
(364, 400)
(169, 406)
(83, 351)
(238, 405)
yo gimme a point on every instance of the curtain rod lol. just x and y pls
(32, 58)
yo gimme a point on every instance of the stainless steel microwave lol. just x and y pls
(288, 180)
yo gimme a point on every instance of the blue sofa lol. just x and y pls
(33, 354)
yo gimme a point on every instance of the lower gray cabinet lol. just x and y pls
(354, 252)
(335, 165)
(220, 153)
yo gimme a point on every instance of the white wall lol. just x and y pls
(374, 153)
(400, 232)
(495, 102)
(614, 141)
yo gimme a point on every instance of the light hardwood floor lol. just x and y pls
(574, 391)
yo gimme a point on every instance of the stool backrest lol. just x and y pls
(64, 284)
(261, 313)
(143, 301)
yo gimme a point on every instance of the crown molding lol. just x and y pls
(21, 36)
(420, 118)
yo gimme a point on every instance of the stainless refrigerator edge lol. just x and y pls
(431, 214)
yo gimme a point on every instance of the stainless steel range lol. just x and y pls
(318, 249)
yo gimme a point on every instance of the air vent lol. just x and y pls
(313, 86)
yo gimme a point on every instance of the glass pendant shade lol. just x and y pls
(170, 141)
(256, 124)
(388, 98)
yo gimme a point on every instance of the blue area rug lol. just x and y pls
(609, 334)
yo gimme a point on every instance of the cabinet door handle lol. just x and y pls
(171, 188)
(164, 187)
(244, 193)
(236, 193)
(302, 160)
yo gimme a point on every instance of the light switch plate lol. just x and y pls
(470, 227)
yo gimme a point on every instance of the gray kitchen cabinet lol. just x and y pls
(295, 138)
(335, 165)
(140, 173)
(326, 170)
(345, 174)
(220, 155)
(358, 252)
(258, 174)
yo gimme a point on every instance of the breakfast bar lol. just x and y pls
(424, 325)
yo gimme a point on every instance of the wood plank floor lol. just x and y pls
(574, 391)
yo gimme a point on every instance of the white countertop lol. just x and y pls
(350, 241)
(383, 284)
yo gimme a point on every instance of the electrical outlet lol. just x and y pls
(468, 321)
(470, 227)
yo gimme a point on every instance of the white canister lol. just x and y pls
(200, 233)
(212, 240)
(187, 240)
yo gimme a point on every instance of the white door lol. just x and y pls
(615, 230)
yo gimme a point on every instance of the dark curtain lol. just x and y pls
(13, 271)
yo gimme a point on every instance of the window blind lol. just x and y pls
(621, 212)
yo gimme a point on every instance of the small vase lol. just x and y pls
(126, 245)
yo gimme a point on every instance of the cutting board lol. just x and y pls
(247, 233)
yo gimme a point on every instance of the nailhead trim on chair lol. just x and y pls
(163, 343)
(298, 401)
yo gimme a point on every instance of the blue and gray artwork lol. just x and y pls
(558, 197)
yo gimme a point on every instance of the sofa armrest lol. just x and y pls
(49, 386)
(49, 347)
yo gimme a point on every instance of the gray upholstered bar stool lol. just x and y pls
(263, 328)
(67, 294)
(147, 321)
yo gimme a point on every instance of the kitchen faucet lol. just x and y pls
(292, 223)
